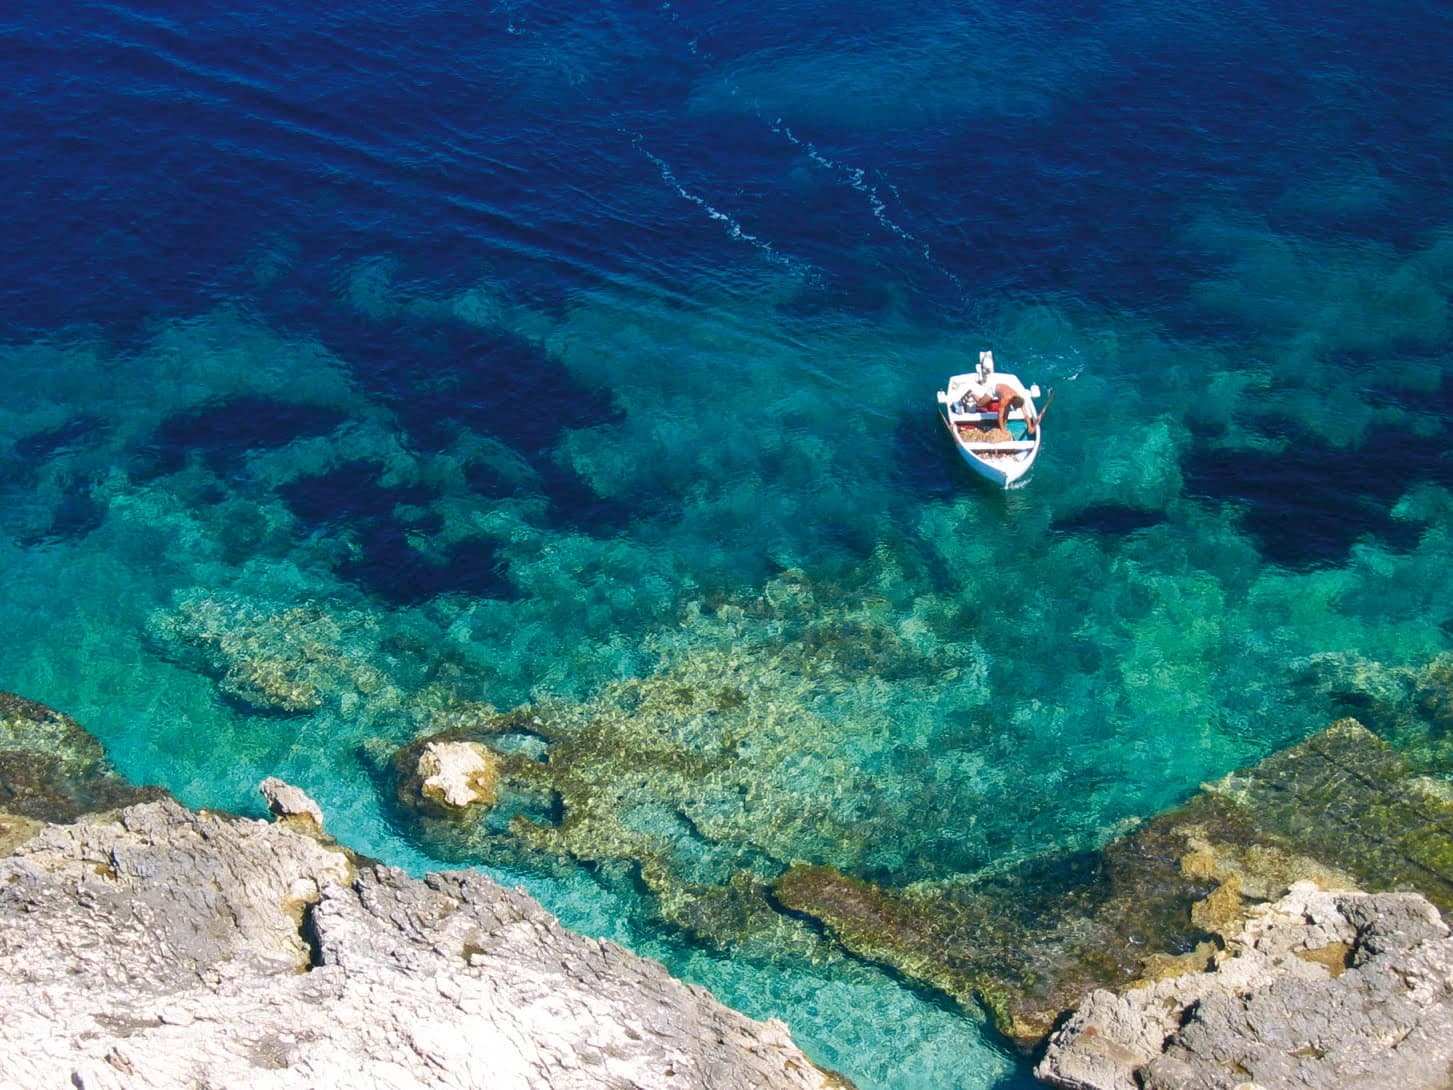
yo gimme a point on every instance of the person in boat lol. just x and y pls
(1006, 393)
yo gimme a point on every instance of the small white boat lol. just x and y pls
(969, 408)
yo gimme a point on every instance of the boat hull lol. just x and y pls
(1004, 471)
(1004, 464)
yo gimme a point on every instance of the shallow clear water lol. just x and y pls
(511, 353)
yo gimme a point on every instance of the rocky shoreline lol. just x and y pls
(1342, 810)
(1321, 989)
(151, 946)
(1280, 931)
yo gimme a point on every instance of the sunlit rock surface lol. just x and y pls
(458, 775)
(165, 948)
(1318, 990)
(157, 947)
(291, 805)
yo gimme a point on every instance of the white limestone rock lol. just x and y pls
(286, 801)
(1321, 989)
(459, 774)
(161, 948)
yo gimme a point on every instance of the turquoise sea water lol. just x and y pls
(512, 353)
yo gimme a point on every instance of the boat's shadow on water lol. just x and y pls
(929, 468)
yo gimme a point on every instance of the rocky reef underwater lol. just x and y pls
(1282, 928)
(755, 790)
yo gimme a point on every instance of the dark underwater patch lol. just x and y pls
(223, 432)
(1108, 520)
(444, 375)
(348, 495)
(384, 561)
(572, 503)
(1310, 503)
(76, 515)
(485, 480)
(78, 431)
(924, 458)
(389, 567)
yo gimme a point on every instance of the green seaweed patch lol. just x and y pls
(52, 769)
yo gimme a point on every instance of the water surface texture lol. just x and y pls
(365, 365)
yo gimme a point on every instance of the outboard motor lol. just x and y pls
(986, 366)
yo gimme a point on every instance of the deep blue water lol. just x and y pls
(521, 337)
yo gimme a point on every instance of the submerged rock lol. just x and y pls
(1318, 990)
(1434, 694)
(1348, 799)
(164, 948)
(764, 734)
(1028, 944)
(1410, 705)
(51, 769)
(1342, 809)
(287, 660)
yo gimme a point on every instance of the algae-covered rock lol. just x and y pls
(1342, 809)
(466, 781)
(1408, 704)
(1434, 693)
(762, 779)
(1348, 799)
(742, 914)
(285, 660)
(51, 769)
(764, 736)
(1028, 944)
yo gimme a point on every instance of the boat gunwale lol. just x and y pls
(1020, 460)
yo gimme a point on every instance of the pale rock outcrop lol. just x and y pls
(1319, 990)
(459, 774)
(286, 801)
(160, 948)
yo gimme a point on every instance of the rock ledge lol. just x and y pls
(161, 948)
(1319, 990)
